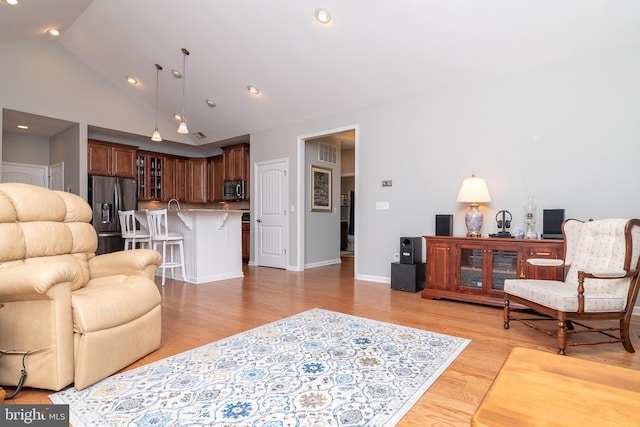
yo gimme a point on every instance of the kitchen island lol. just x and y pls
(212, 242)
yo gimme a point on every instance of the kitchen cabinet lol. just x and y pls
(197, 178)
(246, 228)
(215, 173)
(474, 269)
(180, 178)
(151, 176)
(108, 159)
(189, 179)
(235, 159)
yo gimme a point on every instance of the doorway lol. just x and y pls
(321, 235)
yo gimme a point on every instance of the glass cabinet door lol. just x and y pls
(155, 181)
(471, 261)
(141, 172)
(504, 265)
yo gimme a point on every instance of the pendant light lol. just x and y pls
(156, 133)
(182, 128)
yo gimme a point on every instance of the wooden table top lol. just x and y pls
(535, 388)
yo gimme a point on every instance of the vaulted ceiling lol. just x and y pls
(371, 52)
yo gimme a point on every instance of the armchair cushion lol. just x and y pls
(561, 296)
(96, 306)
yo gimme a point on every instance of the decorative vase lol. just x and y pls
(473, 221)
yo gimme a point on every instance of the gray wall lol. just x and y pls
(26, 149)
(566, 133)
(322, 229)
(65, 147)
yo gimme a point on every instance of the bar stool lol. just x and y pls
(130, 233)
(160, 234)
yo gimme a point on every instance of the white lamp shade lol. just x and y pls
(156, 136)
(473, 190)
(182, 128)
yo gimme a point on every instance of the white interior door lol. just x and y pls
(24, 173)
(271, 214)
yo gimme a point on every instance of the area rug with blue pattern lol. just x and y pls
(316, 368)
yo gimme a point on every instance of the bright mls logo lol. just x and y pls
(34, 415)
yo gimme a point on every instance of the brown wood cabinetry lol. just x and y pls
(151, 173)
(246, 228)
(236, 162)
(108, 159)
(197, 176)
(474, 269)
(215, 173)
(180, 178)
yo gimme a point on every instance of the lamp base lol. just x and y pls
(473, 220)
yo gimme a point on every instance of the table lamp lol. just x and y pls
(474, 191)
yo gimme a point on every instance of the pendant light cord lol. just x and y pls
(158, 68)
(184, 77)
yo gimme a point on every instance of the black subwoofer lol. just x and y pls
(410, 250)
(408, 277)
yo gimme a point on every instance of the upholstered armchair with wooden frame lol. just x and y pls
(69, 315)
(601, 260)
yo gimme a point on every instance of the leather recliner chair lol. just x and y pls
(69, 316)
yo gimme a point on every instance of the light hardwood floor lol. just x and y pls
(194, 315)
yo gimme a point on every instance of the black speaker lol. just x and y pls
(552, 220)
(410, 250)
(444, 225)
(407, 277)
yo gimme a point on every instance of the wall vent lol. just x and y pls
(327, 153)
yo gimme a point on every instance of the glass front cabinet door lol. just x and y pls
(484, 268)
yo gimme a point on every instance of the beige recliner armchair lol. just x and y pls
(69, 316)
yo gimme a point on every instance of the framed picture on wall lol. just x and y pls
(320, 189)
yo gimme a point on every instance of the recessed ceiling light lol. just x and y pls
(253, 90)
(210, 102)
(11, 2)
(177, 74)
(323, 16)
(23, 127)
(53, 32)
(177, 116)
(132, 80)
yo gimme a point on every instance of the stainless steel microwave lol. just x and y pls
(233, 190)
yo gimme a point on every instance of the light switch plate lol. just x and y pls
(382, 206)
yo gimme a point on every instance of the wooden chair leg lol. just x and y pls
(562, 335)
(625, 335)
(506, 312)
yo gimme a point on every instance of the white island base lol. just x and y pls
(212, 243)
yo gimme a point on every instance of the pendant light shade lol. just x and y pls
(182, 127)
(156, 133)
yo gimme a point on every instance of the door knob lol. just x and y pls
(259, 220)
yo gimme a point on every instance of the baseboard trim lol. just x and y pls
(323, 263)
(379, 279)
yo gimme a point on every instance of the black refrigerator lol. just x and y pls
(107, 196)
